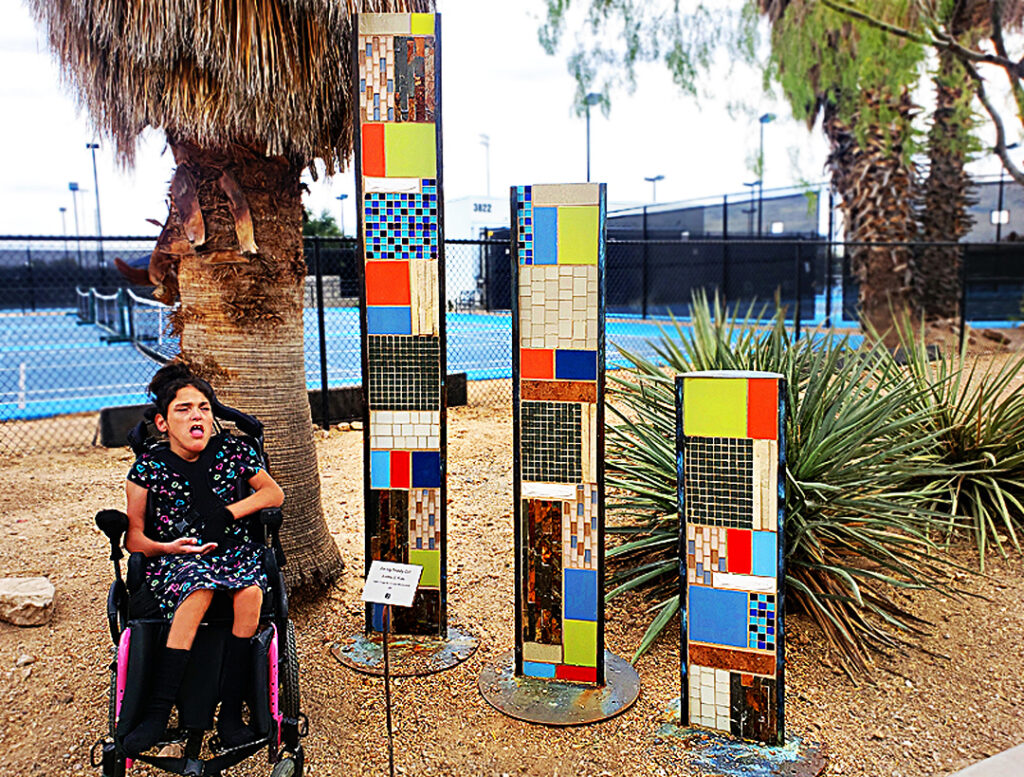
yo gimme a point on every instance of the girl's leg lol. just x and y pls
(237, 675)
(247, 604)
(187, 619)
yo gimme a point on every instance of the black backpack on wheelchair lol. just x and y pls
(139, 630)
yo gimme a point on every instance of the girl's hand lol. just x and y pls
(188, 545)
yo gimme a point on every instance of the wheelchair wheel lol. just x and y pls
(289, 676)
(112, 704)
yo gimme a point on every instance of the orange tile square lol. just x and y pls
(373, 150)
(387, 283)
(537, 363)
(763, 408)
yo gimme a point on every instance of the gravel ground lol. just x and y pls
(926, 714)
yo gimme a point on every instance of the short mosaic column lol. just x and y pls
(401, 241)
(558, 471)
(731, 490)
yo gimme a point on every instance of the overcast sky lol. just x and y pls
(497, 80)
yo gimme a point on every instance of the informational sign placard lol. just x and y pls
(390, 583)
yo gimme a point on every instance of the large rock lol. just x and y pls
(26, 601)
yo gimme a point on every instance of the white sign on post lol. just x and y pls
(390, 583)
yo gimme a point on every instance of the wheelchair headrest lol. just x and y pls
(247, 424)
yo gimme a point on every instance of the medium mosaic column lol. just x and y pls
(731, 469)
(398, 149)
(558, 390)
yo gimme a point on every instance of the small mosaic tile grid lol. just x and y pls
(407, 429)
(401, 225)
(762, 622)
(550, 442)
(719, 480)
(579, 529)
(424, 523)
(558, 307)
(402, 241)
(730, 499)
(558, 277)
(405, 373)
(705, 553)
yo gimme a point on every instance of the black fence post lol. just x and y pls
(643, 267)
(799, 291)
(829, 259)
(725, 251)
(325, 420)
(963, 298)
(31, 278)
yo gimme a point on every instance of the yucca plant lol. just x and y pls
(977, 419)
(860, 464)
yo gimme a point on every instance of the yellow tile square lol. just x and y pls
(430, 560)
(715, 407)
(422, 24)
(578, 234)
(579, 639)
(410, 150)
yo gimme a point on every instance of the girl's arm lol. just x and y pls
(137, 542)
(266, 493)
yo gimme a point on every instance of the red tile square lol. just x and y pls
(373, 149)
(387, 283)
(576, 674)
(763, 408)
(537, 363)
(737, 550)
(400, 469)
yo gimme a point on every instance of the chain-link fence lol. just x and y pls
(76, 338)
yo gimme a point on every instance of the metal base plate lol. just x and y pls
(409, 655)
(556, 702)
(714, 752)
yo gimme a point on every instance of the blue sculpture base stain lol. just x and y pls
(409, 656)
(713, 752)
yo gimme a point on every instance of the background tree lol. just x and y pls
(248, 93)
(323, 225)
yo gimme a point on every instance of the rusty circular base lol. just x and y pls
(557, 702)
(409, 655)
(715, 752)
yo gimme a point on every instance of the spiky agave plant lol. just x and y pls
(977, 419)
(858, 451)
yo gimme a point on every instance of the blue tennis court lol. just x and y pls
(50, 365)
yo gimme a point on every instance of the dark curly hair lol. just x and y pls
(170, 379)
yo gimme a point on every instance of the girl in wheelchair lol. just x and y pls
(196, 544)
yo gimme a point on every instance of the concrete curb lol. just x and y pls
(1009, 763)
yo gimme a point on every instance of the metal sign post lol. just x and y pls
(389, 584)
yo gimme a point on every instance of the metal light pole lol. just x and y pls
(341, 198)
(653, 180)
(64, 228)
(96, 185)
(485, 141)
(763, 119)
(73, 188)
(591, 99)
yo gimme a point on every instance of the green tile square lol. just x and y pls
(715, 407)
(578, 234)
(430, 560)
(579, 639)
(410, 150)
(422, 24)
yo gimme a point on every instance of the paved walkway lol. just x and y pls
(1009, 763)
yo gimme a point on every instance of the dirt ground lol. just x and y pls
(927, 714)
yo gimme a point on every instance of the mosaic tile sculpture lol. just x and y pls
(730, 459)
(401, 238)
(558, 374)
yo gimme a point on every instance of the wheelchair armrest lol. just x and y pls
(114, 524)
(136, 576)
(271, 517)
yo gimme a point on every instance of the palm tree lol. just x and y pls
(857, 81)
(249, 93)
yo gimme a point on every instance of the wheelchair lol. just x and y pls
(139, 630)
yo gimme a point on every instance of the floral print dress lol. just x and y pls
(174, 501)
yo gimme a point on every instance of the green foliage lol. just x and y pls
(976, 414)
(861, 462)
(323, 225)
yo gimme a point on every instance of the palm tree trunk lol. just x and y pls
(876, 186)
(241, 325)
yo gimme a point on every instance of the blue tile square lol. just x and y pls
(380, 469)
(718, 617)
(535, 669)
(426, 469)
(388, 320)
(545, 235)
(575, 365)
(580, 602)
(765, 561)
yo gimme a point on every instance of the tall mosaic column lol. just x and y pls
(558, 450)
(399, 193)
(731, 469)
